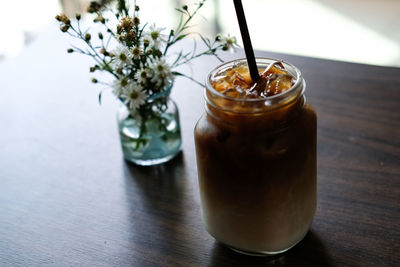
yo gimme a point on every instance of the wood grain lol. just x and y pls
(68, 198)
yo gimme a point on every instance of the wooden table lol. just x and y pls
(67, 197)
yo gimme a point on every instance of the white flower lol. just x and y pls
(146, 40)
(228, 42)
(142, 75)
(137, 52)
(119, 85)
(156, 36)
(133, 96)
(122, 57)
(162, 75)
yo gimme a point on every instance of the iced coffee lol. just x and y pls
(256, 157)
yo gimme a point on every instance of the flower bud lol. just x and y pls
(94, 80)
(64, 28)
(63, 18)
(87, 37)
(126, 23)
(130, 36)
(101, 36)
(157, 53)
(92, 69)
(136, 21)
(99, 18)
(137, 8)
(70, 50)
(78, 16)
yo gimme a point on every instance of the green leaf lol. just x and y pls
(206, 41)
(180, 37)
(177, 58)
(194, 48)
(177, 73)
(188, 77)
(186, 27)
(180, 10)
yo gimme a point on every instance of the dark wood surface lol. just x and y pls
(67, 197)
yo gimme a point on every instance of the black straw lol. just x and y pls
(248, 48)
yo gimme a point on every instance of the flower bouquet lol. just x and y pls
(142, 68)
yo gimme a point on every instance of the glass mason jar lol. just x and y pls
(256, 163)
(152, 136)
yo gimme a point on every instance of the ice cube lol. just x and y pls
(273, 80)
(277, 84)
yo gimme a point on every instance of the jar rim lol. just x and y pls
(275, 99)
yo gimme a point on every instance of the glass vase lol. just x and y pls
(152, 136)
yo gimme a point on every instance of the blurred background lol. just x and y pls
(362, 31)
